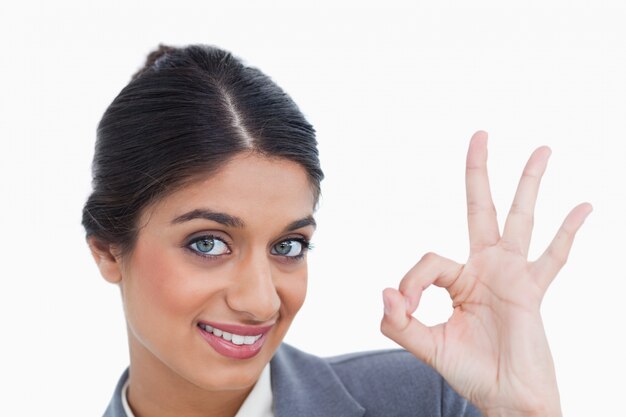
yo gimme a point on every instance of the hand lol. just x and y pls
(493, 349)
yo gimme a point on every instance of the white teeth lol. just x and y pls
(235, 339)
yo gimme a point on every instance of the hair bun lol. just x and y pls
(152, 58)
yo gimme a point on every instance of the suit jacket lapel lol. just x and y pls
(115, 408)
(304, 385)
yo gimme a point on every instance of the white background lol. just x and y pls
(395, 92)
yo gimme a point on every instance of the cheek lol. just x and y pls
(160, 289)
(292, 292)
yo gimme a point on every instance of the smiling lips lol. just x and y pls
(234, 341)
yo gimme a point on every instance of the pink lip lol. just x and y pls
(232, 350)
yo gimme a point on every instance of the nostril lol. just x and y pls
(260, 303)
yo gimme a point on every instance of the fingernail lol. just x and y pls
(589, 210)
(386, 304)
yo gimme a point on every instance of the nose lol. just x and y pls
(253, 292)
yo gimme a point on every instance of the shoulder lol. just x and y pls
(387, 382)
(381, 378)
(383, 366)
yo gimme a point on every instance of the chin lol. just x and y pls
(230, 377)
(225, 373)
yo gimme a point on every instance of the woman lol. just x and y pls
(205, 181)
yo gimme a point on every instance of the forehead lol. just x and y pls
(252, 187)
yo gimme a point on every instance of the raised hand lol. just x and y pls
(493, 349)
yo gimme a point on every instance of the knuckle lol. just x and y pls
(520, 210)
(558, 256)
(474, 168)
(474, 207)
(387, 328)
(511, 246)
(429, 257)
(567, 233)
(531, 174)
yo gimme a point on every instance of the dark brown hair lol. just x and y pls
(185, 114)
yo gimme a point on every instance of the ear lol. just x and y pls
(108, 261)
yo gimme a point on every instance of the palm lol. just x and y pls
(492, 349)
(491, 319)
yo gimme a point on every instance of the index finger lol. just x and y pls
(431, 269)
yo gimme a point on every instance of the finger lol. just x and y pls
(519, 222)
(555, 256)
(481, 213)
(431, 269)
(404, 329)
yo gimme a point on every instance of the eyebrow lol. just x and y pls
(206, 214)
(233, 221)
(307, 221)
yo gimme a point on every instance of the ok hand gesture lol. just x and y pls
(493, 349)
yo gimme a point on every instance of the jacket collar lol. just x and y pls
(115, 408)
(303, 385)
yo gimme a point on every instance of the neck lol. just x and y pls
(155, 390)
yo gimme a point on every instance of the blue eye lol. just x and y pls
(209, 246)
(292, 248)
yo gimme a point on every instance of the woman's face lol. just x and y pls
(218, 273)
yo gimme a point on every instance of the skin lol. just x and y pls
(493, 349)
(167, 287)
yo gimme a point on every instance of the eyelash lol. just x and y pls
(206, 237)
(306, 246)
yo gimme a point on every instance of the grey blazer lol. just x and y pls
(390, 383)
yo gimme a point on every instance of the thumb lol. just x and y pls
(400, 326)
